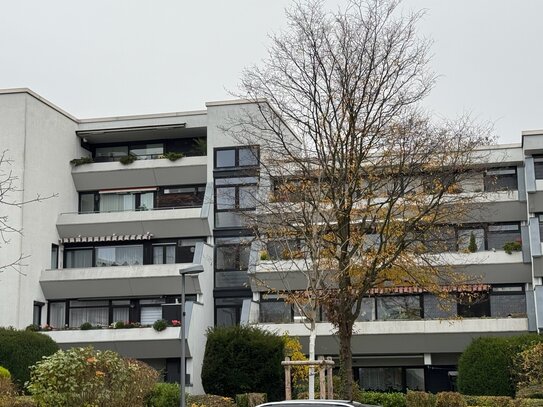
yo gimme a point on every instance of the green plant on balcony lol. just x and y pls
(85, 326)
(80, 161)
(511, 247)
(160, 325)
(200, 146)
(128, 159)
(472, 246)
(264, 255)
(173, 156)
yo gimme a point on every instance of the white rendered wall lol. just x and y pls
(41, 141)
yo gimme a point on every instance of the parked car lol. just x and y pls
(315, 403)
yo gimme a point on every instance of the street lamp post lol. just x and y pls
(184, 272)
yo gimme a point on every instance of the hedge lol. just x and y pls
(486, 366)
(381, 399)
(242, 359)
(21, 349)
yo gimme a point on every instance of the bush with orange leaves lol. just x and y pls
(91, 378)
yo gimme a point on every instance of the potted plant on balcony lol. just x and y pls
(76, 162)
(511, 247)
(472, 246)
(173, 156)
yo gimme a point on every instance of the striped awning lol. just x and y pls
(470, 288)
(112, 238)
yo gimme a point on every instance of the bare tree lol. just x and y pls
(8, 188)
(357, 174)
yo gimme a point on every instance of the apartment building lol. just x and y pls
(109, 246)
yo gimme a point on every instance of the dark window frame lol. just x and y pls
(254, 147)
(491, 181)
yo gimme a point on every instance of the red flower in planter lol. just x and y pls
(175, 322)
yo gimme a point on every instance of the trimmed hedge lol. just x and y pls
(243, 359)
(21, 349)
(486, 366)
(250, 399)
(450, 399)
(381, 399)
(209, 400)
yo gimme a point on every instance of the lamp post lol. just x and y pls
(188, 271)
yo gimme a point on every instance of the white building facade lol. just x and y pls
(108, 246)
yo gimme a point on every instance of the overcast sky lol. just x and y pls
(112, 57)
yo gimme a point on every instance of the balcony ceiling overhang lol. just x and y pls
(140, 133)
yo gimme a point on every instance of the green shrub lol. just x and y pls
(419, 399)
(173, 156)
(85, 326)
(450, 399)
(85, 377)
(250, 399)
(33, 328)
(530, 391)
(382, 399)
(511, 247)
(472, 246)
(486, 366)
(242, 359)
(164, 395)
(21, 349)
(160, 325)
(24, 401)
(209, 400)
(128, 159)
(5, 373)
(489, 401)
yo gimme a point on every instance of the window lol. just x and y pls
(275, 310)
(54, 256)
(441, 239)
(286, 249)
(78, 258)
(233, 195)
(501, 179)
(86, 202)
(473, 305)
(381, 378)
(232, 157)
(163, 254)
(181, 196)
(228, 311)
(117, 202)
(36, 315)
(540, 217)
(94, 312)
(107, 256)
(367, 310)
(406, 307)
(501, 233)
(147, 151)
(538, 167)
(110, 153)
(231, 262)
(151, 311)
(57, 314)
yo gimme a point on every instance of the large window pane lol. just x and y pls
(367, 310)
(225, 158)
(247, 197)
(276, 312)
(381, 378)
(164, 254)
(86, 203)
(398, 307)
(54, 256)
(501, 179)
(110, 153)
(150, 314)
(57, 314)
(117, 202)
(119, 256)
(121, 314)
(147, 201)
(473, 305)
(148, 151)
(226, 198)
(95, 316)
(78, 258)
(225, 279)
(414, 378)
(248, 156)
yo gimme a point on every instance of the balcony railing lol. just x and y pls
(190, 205)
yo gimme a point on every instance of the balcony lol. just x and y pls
(159, 222)
(394, 337)
(156, 172)
(121, 281)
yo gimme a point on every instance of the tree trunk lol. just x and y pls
(312, 338)
(345, 361)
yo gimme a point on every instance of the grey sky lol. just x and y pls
(107, 58)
